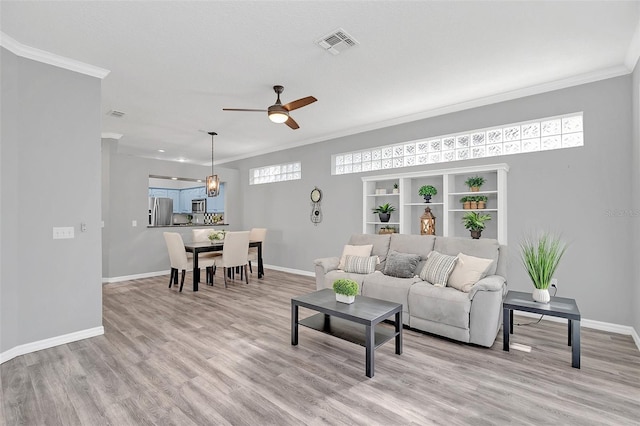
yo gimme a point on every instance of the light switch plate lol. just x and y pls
(61, 233)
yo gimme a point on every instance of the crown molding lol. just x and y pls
(633, 53)
(32, 53)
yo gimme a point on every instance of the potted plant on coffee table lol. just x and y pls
(475, 223)
(427, 191)
(384, 212)
(345, 289)
(540, 256)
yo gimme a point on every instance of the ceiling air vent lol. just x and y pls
(115, 113)
(337, 41)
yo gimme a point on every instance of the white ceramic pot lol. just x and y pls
(345, 299)
(541, 295)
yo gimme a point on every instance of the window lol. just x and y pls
(539, 135)
(276, 173)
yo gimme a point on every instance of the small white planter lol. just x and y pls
(345, 299)
(541, 295)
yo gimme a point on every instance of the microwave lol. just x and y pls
(199, 205)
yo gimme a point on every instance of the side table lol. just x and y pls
(558, 307)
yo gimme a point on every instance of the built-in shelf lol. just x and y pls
(450, 185)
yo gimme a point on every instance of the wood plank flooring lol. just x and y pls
(224, 357)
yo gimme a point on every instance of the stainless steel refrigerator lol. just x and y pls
(160, 211)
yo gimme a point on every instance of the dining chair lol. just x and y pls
(180, 261)
(256, 234)
(234, 253)
(202, 235)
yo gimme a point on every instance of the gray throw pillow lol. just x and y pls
(401, 265)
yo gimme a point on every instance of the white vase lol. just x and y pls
(344, 298)
(541, 295)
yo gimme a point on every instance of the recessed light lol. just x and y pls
(161, 150)
(199, 180)
(182, 160)
(174, 178)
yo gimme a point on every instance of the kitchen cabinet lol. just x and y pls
(216, 204)
(157, 192)
(445, 205)
(174, 194)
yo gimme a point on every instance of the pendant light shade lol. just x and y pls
(213, 182)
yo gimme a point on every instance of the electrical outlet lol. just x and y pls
(554, 282)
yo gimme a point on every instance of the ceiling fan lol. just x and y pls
(279, 113)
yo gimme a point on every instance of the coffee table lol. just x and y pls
(558, 307)
(356, 322)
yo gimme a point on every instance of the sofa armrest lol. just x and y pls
(489, 283)
(323, 266)
(327, 263)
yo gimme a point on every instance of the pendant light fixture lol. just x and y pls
(213, 182)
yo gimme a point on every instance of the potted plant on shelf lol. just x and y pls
(466, 203)
(473, 202)
(395, 188)
(482, 201)
(540, 256)
(475, 223)
(474, 183)
(427, 191)
(346, 290)
(388, 229)
(384, 212)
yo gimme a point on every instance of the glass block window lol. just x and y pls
(559, 132)
(288, 171)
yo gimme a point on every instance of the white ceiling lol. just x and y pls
(175, 65)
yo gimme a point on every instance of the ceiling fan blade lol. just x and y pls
(292, 123)
(244, 109)
(299, 103)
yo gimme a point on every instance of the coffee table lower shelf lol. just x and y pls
(348, 330)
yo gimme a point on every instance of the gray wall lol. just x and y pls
(573, 191)
(636, 198)
(129, 250)
(50, 119)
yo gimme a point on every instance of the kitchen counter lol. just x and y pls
(188, 225)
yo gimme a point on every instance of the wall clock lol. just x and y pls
(316, 214)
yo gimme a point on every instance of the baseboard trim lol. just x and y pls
(50, 342)
(291, 271)
(106, 280)
(596, 325)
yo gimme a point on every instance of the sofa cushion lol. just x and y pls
(401, 265)
(354, 250)
(380, 245)
(384, 287)
(468, 271)
(438, 268)
(360, 264)
(444, 305)
(485, 248)
(416, 244)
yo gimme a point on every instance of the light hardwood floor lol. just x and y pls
(225, 357)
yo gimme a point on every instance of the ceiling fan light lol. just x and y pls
(278, 116)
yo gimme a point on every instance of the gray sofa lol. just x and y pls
(473, 317)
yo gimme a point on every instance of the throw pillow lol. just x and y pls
(468, 271)
(364, 250)
(401, 265)
(438, 268)
(360, 264)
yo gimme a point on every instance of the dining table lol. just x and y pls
(218, 245)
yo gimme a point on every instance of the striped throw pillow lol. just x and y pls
(438, 268)
(360, 264)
